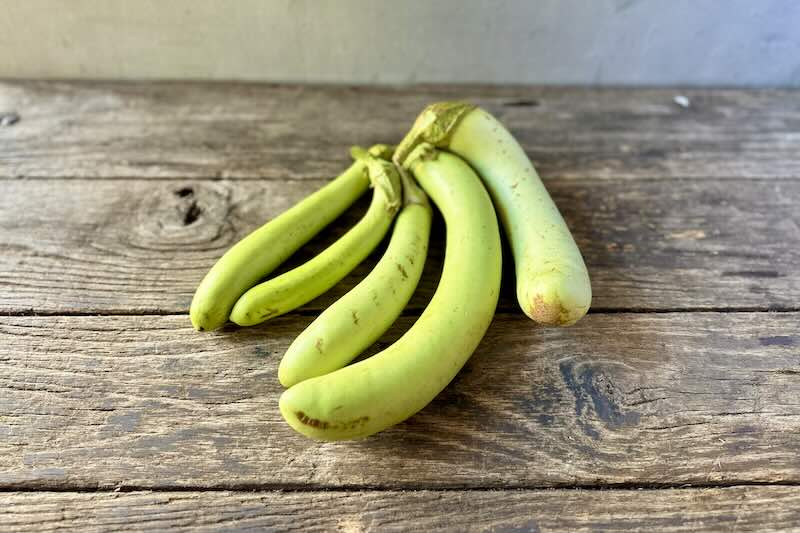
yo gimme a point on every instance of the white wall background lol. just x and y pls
(637, 42)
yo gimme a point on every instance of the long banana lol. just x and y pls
(264, 249)
(371, 395)
(552, 281)
(361, 316)
(300, 285)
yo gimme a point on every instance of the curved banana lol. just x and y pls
(371, 395)
(300, 285)
(260, 252)
(360, 317)
(553, 284)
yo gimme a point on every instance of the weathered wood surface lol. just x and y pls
(723, 509)
(139, 246)
(144, 401)
(676, 210)
(205, 130)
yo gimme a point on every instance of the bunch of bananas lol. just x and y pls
(450, 141)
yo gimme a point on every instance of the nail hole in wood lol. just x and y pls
(9, 119)
(522, 103)
(192, 214)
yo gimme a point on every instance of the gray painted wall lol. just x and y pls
(698, 42)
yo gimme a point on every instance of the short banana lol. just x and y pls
(552, 281)
(264, 249)
(300, 285)
(360, 317)
(371, 395)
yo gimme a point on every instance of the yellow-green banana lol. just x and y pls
(264, 249)
(300, 285)
(360, 317)
(371, 395)
(552, 281)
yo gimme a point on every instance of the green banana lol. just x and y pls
(553, 284)
(259, 253)
(371, 395)
(300, 285)
(360, 317)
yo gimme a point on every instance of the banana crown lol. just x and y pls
(434, 125)
(383, 176)
(423, 151)
(382, 151)
(412, 193)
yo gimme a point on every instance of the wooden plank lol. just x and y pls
(236, 130)
(718, 509)
(658, 398)
(84, 246)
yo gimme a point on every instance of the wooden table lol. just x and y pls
(674, 405)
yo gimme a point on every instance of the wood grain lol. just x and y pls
(692, 510)
(139, 246)
(145, 402)
(230, 130)
(128, 192)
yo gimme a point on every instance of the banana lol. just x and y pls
(371, 395)
(259, 253)
(300, 285)
(553, 284)
(360, 317)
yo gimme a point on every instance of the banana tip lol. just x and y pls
(196, 323)
(286, 378)
(551, 302)
(544, 312)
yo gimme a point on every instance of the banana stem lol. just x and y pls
(412, 193)
(434, 125)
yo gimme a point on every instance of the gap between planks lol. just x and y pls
(417, 312)
(267, 487)
(311, 179)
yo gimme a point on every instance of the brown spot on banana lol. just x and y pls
(552, 314)
(322, 424)
(402, 271)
